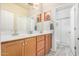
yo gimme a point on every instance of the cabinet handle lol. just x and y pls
(23, 44)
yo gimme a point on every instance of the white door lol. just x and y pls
(64, 27)
(63, 31)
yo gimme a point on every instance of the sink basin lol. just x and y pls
(5, 36)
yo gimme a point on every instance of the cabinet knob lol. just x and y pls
(23, 44)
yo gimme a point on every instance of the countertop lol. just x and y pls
(5, 38)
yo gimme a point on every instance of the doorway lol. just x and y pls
(64, 26)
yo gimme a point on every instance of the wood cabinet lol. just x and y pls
(40, 53)
(14, 48)
(40, 45)
(25, 47)
(30, 46)
(48, 43)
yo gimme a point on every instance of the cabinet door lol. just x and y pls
(48, 43)
(14, 48)
(30, 46)
(40, 45)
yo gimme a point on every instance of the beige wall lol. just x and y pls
(19, 10)
(44, 7)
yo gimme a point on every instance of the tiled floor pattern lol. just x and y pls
(61, 51)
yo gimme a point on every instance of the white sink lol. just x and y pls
(2, 37)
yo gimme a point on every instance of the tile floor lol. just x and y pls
(61, 51)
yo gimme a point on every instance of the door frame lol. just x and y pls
(54, 29)
(76, 27)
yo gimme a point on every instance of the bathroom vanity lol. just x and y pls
(27, 45)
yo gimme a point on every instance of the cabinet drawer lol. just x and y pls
(39, 38)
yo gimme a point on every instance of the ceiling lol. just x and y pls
(24, 5)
